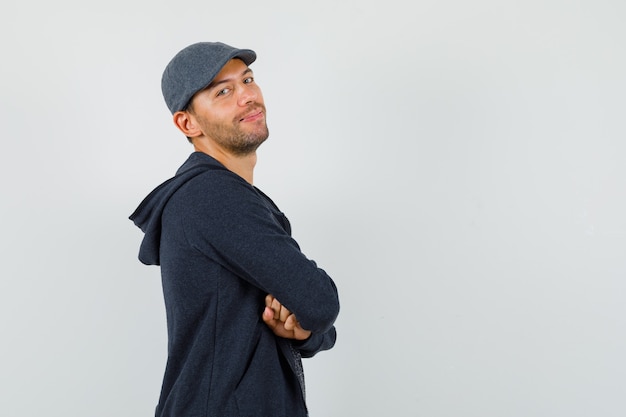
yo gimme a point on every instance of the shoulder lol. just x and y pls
(216, 189)
(219, 182)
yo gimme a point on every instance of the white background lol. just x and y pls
(457, 166)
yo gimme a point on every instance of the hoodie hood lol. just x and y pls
(147, 216)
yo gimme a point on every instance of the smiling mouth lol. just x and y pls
(252, 116)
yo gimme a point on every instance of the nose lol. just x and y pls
(248, 95)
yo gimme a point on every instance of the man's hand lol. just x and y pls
(282, 322)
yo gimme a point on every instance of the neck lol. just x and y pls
(242, 165)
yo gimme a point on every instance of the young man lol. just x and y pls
(243, 303)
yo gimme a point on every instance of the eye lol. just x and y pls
(248, 80)
(223, 91)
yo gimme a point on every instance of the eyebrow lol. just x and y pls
(213, 84)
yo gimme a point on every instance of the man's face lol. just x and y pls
(230, 111)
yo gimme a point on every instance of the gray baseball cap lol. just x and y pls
(193, 69)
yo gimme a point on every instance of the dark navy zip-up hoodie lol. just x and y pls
(223, 246)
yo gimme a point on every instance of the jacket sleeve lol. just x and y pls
(234, 226)
(316, 343)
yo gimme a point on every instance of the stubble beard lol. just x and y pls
(232, 138)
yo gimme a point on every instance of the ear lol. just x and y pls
(186, 123)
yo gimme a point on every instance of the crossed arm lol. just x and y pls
(282, 322)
